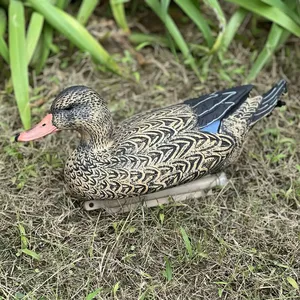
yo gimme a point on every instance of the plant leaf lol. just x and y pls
(62, 4)
(43, 49)
(3, 44)
(193, 12)
(75, 32)
(271, 13)
(215, 6)
(86, 9)
(18, 60)
(31, 253)
(93, 294)
(187, 242)
(117, 7)
(233, 26)
(33, 33)
(175, 33)
(168, 273)
(284, 8)
(274, 37)
(292, 282)
(3, 22)
(24, 240)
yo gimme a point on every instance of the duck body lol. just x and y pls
(147, 155)
(157, 149)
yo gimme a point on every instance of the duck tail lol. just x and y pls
(269, 101)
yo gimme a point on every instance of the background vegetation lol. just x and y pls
(241, 242)
(27, 30)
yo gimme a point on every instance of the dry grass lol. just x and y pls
(244, 239)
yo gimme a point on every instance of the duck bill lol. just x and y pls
(40, 130)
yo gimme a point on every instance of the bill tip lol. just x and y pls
(16, 137)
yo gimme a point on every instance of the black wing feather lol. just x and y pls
(212, 107)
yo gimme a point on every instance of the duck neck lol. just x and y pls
(98, 136)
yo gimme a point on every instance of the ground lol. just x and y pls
(243, 240)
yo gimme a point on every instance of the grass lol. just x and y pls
(244, 240)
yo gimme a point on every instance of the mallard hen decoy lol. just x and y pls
(154, 150)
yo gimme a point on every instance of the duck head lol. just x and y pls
(78, 108)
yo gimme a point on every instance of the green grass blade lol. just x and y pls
(117, 7)
(141, 38)
(293, 283)
(3, 45)
(86, 9)
(273, 40)
(45, 42)
(3, 21)
(165, 6)
(284, 8)
(33, 33)
(62, 4)
(286, 34)
(175, 33)
(215, 6)
(271, 13)
(153, 39)
(18, 60)
(187, 242)
(93, 294)
(31, 253)
(193, 13)
(168, 272)
(284, 37)
(232, 27)
(75, 32)
(4, 49)
(24, 240)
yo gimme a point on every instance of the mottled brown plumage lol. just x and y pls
(156, 149)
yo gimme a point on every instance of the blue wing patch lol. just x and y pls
(213, 127)
(217, 106)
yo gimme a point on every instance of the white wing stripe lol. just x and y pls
(229, 94)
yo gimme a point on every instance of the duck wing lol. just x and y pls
(211, 109)
(149, 129)
(146, 131)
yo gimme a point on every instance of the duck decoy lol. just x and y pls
(176, 151)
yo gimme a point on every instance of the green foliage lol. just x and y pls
(189, 7)
(74, 31)
(283, 14)
(32, 47)
(161, 9)
(3, 45)
(271, 12)
(293, 282)
(187, 242)
(25, 243)
(117, 7)
(168, 273)
(33, 33)
(233, 25)
(44, 18)
(86, 9)
(93, 294)
(18, 60)
(273, 40)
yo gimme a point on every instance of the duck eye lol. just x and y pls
(69, 107)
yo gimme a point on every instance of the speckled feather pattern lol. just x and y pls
(147, 153)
